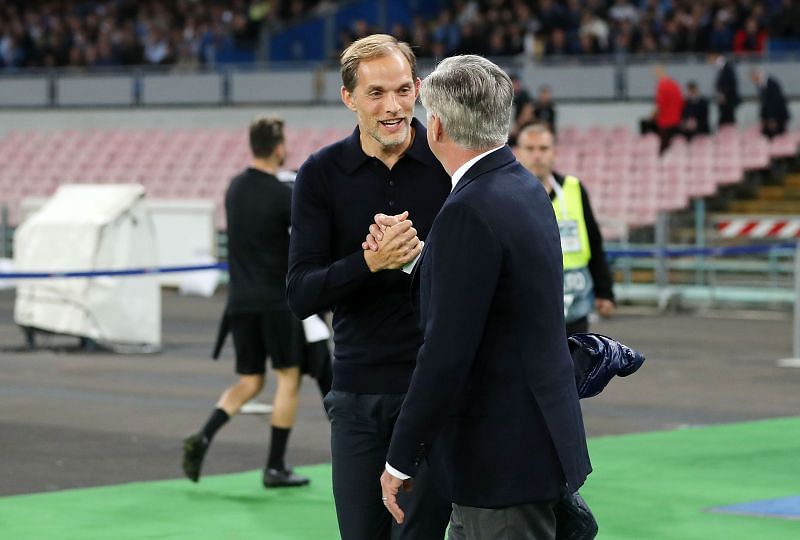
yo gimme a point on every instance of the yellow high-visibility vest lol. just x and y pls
(568, 206)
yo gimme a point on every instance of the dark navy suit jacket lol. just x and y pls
(492, 404)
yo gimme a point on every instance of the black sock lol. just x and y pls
(277, 448)
(217, 419)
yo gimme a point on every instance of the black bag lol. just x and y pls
(574, 519)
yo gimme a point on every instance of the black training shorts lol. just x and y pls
(277, 334)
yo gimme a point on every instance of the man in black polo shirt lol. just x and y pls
(257, 207)
(385, 166)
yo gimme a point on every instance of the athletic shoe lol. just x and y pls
(194, 450)
(283, 478)
(256, 407)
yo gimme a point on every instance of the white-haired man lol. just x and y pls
(492, 406)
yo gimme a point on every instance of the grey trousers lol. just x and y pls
(535, 521)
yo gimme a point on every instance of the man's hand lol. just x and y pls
(604, 306)
(382, 222)
(390, 486)
(398, 245)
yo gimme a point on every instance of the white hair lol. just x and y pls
(473, 98)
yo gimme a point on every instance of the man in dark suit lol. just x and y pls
(774, 112)
(695, 112)
(492, 405)
(727, 90)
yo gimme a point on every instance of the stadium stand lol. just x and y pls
(79, 33)
(170, 163)
(197, 163)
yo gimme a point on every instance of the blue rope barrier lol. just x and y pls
(707, 252)
(126, 272)
(611, 254)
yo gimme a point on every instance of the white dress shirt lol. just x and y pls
(461, 171)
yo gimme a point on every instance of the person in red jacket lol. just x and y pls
(750, 39)
(669, 106)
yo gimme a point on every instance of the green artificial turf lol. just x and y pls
(652, 486)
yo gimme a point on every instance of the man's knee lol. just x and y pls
(251, 384)
(288, 380)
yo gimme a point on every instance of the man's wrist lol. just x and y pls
(370, 259)
(394, 472)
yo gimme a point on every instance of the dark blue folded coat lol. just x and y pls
(598, 359)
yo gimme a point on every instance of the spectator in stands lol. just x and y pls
(558, 45)
(774, 111)
(691, 35)
(67, 33)
(44, 36)
(471, 42)
(551, 15)
(622, 10)
(785, 21)
(257, 207)
(721, 37)
(157, 49)
(695, 112)
(588, 283)
(624, 39)
(726, 87)
(666, 117)
(597, 28)
(522, 99)
(750, 39)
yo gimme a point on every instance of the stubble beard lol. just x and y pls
(391, 141)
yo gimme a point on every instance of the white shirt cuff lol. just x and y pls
(409, 266)
(394, 472)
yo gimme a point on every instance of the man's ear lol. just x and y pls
(347, 99)
(416, 87)
(435, 128)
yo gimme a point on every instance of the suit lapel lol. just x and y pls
(495, 160)
(415, 276)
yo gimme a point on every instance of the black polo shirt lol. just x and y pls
(337, 193)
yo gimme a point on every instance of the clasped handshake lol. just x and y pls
(391, 243)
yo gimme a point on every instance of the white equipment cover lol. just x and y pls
(90, 227)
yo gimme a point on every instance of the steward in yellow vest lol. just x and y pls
(586, 273)
(587, 278)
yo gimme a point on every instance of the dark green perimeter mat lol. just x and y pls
(649, 486)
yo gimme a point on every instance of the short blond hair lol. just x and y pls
(374, 46)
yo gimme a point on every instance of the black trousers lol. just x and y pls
(727, 115)
(361, 429)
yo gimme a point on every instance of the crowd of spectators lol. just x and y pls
(97, 33)
(590, 27)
